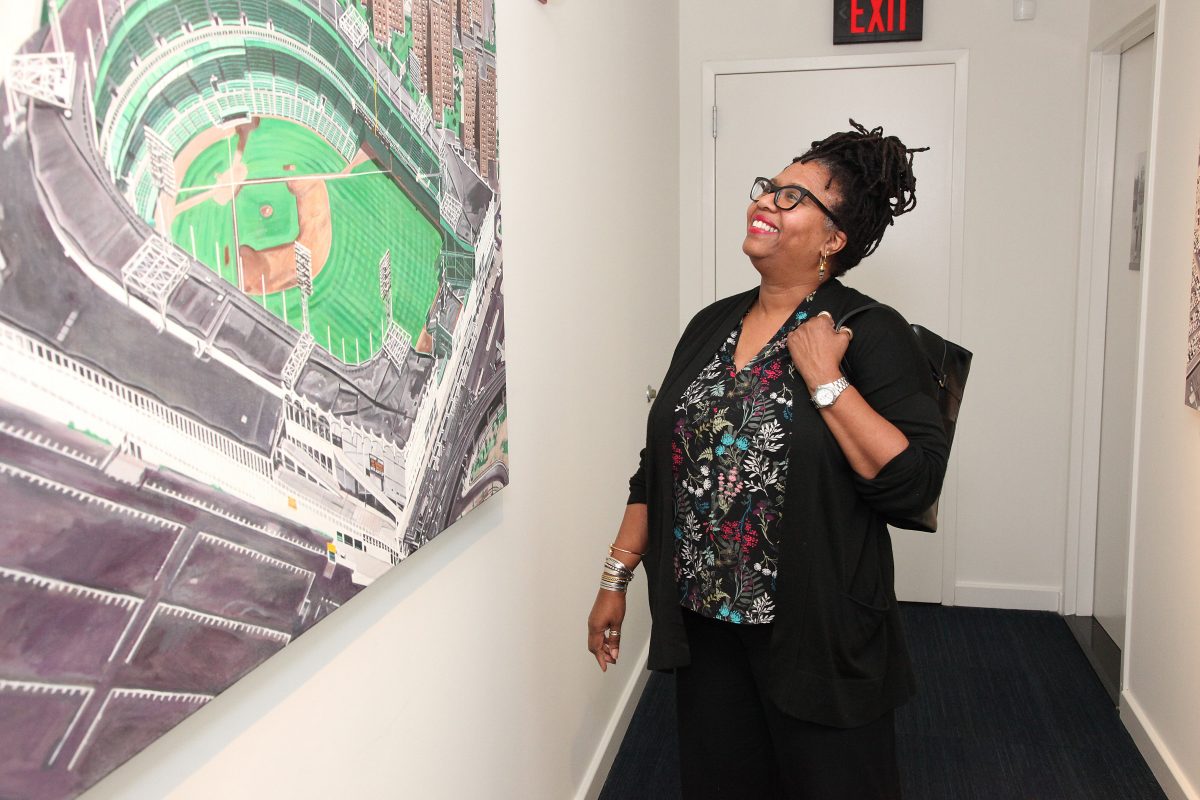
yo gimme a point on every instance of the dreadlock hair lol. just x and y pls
(871, 174)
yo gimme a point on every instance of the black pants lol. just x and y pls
(735, 743)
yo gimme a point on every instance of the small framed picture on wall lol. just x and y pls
(1192, 377)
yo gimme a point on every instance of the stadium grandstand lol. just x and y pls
(147, 585)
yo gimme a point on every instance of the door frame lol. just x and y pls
(703, 274)
(1091, 312)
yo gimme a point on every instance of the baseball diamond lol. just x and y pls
(313, 196)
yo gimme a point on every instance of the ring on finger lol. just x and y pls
(614, 634)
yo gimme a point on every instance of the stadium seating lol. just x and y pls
(295, 28)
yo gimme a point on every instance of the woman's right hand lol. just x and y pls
(608, 612)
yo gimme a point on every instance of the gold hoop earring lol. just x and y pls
(821, 267)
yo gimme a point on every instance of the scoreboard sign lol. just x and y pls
(857, 21)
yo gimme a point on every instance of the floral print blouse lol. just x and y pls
(729, 458)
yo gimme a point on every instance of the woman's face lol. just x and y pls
(792, 240)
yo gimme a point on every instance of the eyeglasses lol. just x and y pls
(788, 197)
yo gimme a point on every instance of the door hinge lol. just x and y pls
(714, 121)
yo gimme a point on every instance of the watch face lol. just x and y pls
(824, 396)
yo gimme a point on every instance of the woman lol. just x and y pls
(760, 500)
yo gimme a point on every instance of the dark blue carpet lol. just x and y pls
(1007, 708)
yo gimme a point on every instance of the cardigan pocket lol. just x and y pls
(861, 646)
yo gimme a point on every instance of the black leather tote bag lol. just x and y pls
(949, 365)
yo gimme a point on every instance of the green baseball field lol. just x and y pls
(248, 195)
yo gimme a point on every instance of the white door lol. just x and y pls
(1122, 321)
(766, 118)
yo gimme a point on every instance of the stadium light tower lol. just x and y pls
(451, 209)
(457, 271)
(424, 112)
(49, 77)
(304, 278)
(42, 77)
(396, 344)
(155, 271)
(162, 171)
(353, 25)
(385, 285)
(162, 161)
(297, 359)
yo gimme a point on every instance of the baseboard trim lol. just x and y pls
(597, 771)
(1101, 651)
(1162, 763)
(1007, 595)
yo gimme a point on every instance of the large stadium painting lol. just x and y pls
(251, 343)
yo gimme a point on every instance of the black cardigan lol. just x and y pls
(837, 649)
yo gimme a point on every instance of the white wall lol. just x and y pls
(1024, 139)
(1161, 697)
(463, 673)
(1109, 17)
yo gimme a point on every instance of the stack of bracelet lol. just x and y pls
(616, 576)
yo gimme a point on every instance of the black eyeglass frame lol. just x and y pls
(804, 192)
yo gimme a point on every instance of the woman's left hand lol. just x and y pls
(817, 349)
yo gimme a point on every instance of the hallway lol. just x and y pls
(1007, 707)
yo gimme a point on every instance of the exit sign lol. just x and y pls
(877, 20)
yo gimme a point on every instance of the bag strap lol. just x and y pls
(854, 312)
(936, 361)
(848, 315)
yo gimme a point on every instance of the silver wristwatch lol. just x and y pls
(827, 393)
